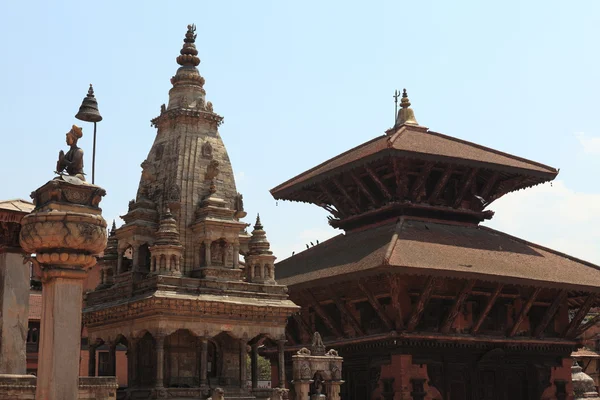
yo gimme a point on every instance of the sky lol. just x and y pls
(300, 82)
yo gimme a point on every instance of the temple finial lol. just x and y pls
(113, 228)
(258, 224)
(189, 54)
(406, 115)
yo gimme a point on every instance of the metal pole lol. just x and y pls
(396, 95)
(94, 157)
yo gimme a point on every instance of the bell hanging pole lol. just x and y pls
(88, 111)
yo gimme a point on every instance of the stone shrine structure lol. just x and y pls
(421, 300)
(583, 384)
(174, 291)
(317, 374)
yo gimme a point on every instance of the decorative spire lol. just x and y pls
(406, 115)
(189, 54)
(113, 229)
(167, 230)
(258, 225)
(258, 242)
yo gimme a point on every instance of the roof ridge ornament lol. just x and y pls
(406, 115)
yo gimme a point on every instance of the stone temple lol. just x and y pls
(173, 290)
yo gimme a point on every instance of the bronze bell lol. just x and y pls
(89, 108)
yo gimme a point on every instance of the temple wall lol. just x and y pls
(22, 387)
(562, 373)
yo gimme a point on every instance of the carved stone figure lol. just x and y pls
(72, 161)
(238, 206)
(318, 385)
(206, 150)
(209, 107)
(317, 347)
(218, 394)
(212, 170)
(163, 108)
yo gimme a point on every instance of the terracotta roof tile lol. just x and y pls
(416, 142)
(35, 306)
(441, 249)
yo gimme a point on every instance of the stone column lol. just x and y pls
(207, 252)
(243, 363)
(236, 255)
(14, 308)
(92, 360)
(203, 361)
(226, 247)
(60, 334)
(160, 360)
(132, 361)
(333, 390)
(254, 365)
(135, 260)
(281, 362)
(119, 263)
(65, 231)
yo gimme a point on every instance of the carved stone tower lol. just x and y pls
(260, 261)
(186, 159)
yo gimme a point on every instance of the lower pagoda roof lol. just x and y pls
(424, 247)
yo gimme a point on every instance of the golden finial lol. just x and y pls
(406, 115)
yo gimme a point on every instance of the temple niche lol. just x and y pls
(174, 292)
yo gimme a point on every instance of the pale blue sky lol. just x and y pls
(300, 82)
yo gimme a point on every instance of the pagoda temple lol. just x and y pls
(421, 300)
(173, 289)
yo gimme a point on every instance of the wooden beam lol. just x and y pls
(363, 188)
(466, 185)
(582, 328)
(549, 314)
(441, 184)
(415, 317)
(343, 307)
(507, 186)
(420, 181)
(323, 314)
(579, 316)
(303, 325)
(395, 292)
(489, 185)
(343, 191)
(376, 306)
(456, 307)
(524, 312)
(332, 199)
(487, 308)
(401, 179)
(380, 184)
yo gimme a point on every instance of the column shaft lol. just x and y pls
(207, 252)
(160, 360)
(254, 365)
(92, 360)
(281, 362)
(204, 362)
(58, 370)
(243, 363)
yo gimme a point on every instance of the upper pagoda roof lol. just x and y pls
(418, 142)
(421, 247)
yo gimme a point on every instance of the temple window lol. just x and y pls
(143, 258)
(103, 363)
(127, 259)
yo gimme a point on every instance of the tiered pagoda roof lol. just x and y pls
(413, 171)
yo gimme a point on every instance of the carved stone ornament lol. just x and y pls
(212, 170)
(317, 347)
(209, 107)
(207, 150)
(60, 236)
(332, 353)
(303, 352)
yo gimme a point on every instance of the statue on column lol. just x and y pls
(72, 161)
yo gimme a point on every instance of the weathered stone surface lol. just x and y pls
(14, 306)
(21, 387)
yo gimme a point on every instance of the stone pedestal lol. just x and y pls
(66, 231)
(14, 309)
